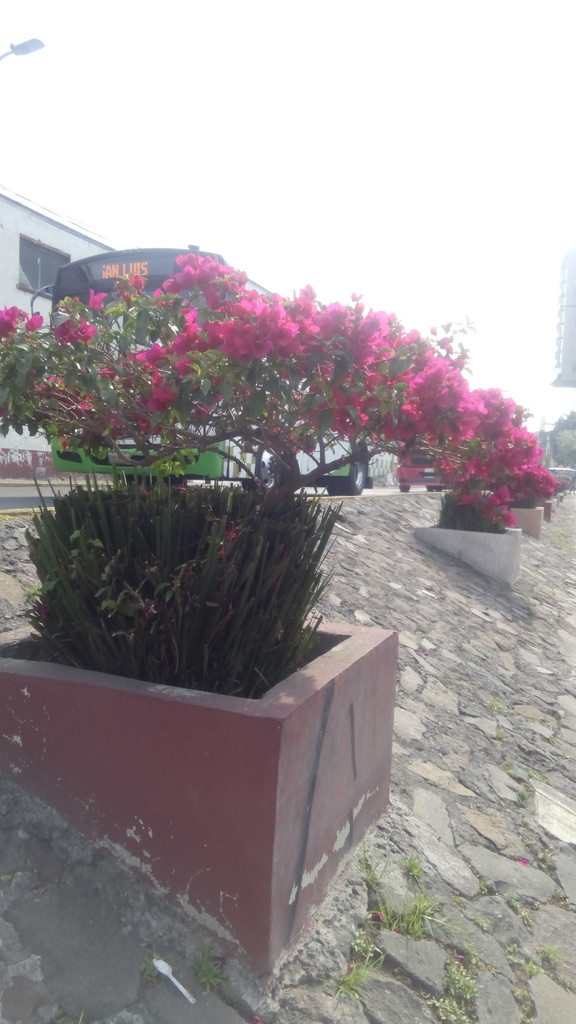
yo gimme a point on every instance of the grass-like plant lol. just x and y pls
(413, 921)
(207, 970)
(194, 587)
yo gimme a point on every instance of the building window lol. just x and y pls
(39, 264)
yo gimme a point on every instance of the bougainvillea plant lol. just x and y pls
(500, 466)
(205, 361)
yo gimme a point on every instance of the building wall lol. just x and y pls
(566, 334)
(22, 456)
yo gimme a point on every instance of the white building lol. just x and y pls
(34, 242)
(566, 334)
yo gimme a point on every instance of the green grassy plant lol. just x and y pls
(364, 958)
(148, 972)
(412, 867)
(413, 921)
(197, 587)
(550, 957)
(207, 970)
(496, 704)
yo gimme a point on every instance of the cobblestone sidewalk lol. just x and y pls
(462, 903)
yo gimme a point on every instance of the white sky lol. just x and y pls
(420, 152)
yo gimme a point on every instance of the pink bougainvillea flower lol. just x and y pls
(70, 332)
(96, 300)
(161, 399)
(34, 322)
(9, 318)
(137, 283)
(522, 860)
(151, 355)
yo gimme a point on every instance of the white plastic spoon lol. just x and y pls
(165, 968)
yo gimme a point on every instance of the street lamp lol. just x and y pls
(21, 49)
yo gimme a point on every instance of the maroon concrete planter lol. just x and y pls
(243, 811)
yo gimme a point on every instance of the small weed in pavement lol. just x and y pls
(364, 958)
(207, 970)
(413, 921)
(461, 990)
(519, 908)
(496, 704)
(550, 957)
(148, 972)
(412, 867)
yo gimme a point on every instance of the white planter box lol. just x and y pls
(496, 555)
(529, 520)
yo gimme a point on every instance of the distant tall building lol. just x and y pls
(566, 336)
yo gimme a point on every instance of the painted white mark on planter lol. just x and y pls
(25, 692)
(293, 894)
(205, 919)
(15, 769)
(14, 739)
(310, 876)
(341, 837)
(122, 854)
(132, 834)
(359, 806)
(362, 800)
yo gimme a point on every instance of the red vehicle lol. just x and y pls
(418, 471)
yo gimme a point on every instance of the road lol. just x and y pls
(18, 494)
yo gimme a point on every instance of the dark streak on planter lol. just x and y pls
(305, 829)
(242, 811)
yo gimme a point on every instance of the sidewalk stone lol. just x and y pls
(554, 1005)
(407, 725)
(504, 787)
(386, 1002)
(430, 807)
(495, 1003)
(493, 828)
(423, 962)
(442, 778)
(553, 926)
(504, 925)
(508, 875)
(410, 680)
(457, 932)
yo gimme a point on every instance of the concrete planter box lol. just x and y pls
(242, 811)
(547, 507)
(529, 520)
(496, 555)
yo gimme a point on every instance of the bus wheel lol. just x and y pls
(267, 469)
(354, 483)
(404, 488)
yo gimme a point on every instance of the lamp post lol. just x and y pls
(21, 49)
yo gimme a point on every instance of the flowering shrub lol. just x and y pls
(531, 484)
(477, 510)
(206, 361)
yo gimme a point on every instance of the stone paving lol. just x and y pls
(461, 905)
